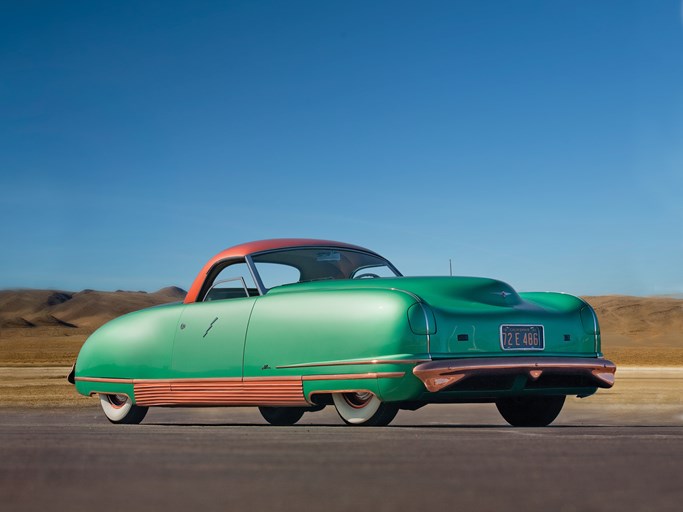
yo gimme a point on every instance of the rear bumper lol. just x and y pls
(437, 375)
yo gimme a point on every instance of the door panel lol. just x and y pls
(209, 340)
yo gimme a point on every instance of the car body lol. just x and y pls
(293, 325)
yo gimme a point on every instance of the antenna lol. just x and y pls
(450, 266)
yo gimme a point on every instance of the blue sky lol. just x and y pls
(539, 142)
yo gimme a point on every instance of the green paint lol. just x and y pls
(336, 321)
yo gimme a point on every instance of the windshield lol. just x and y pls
(318, 263)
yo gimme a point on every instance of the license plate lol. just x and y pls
(521, 337)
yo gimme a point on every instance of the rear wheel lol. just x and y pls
(530, 411)
(364, 408)
(120, 409)
(281, 416)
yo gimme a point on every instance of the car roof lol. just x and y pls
(280, 243)
(242, 250)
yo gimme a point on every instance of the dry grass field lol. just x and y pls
(41, 332)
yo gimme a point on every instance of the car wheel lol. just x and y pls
(530, 411)
(120, 409)
(281, 416)
(364, 408)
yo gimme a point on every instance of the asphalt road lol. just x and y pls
(462, 457)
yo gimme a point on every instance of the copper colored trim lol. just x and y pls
(253, 391)
(355, 376)
(442, 381)
(286, 390)
(353, 363)
(535, 374)
(438, 375)
(606, 376)
(98, 379)
(208, 379)
(216, 379)
(266, 379)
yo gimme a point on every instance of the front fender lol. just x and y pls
(137, 345)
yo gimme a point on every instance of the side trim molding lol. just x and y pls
(353, 363)
(273, 391)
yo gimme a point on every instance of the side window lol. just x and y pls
(374, 271)
(232, 282)
(276, 274)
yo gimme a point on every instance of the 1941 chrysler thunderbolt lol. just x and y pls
(293, 325)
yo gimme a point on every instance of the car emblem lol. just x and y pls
(504, 294)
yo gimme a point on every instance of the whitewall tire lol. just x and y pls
(120, 409)
(363, 408)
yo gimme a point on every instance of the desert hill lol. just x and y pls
(627, 321)
(86, 309)
(48, 327)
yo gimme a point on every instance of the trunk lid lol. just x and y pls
(470, 313)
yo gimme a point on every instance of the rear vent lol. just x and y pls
(463, 337)
(567, 337)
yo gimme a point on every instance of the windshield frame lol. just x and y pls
(263, 289)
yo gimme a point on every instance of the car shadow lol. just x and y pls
(454, 426)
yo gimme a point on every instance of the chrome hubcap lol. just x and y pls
(358, 400)
(117, 401)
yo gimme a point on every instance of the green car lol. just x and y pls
(294, 325)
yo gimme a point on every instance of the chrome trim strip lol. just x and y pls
(266, 379)
(355, 376)
(210, 380)
(170, 381)
(353, 363)
(219, 380)
(254, 274)
(239, 278)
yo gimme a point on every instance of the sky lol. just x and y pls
(537, 142)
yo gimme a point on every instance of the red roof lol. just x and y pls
(242, 250)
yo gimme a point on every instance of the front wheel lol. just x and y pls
(281, 416)
(120, 409)
(530, 411)
(364, 408)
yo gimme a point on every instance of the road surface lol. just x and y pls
(596, 456)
